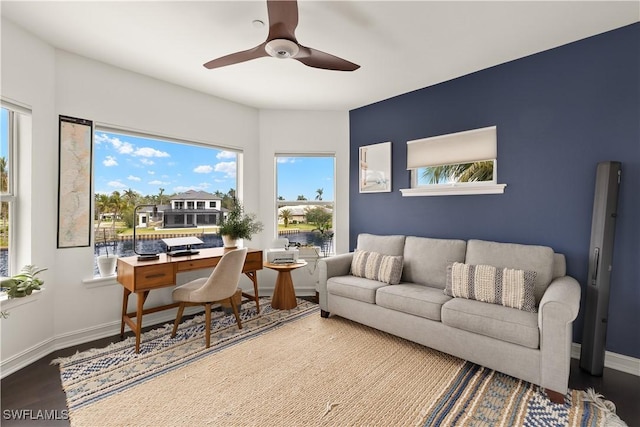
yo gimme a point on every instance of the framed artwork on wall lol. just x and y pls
(375, 168)
(74, 182)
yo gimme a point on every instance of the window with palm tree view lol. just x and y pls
(305, 205)
(456, 173)
(175, 188)
(8, 199)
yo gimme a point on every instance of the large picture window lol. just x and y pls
(305, 188)
(15, 129)
(186, 187)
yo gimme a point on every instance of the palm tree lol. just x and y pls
(464, 172)
(130, 196)
(4, 175)
(301, 197)
(319, 195)
(101, 205)
(286, 215)
(161, 192)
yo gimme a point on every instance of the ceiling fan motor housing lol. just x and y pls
(282, 48)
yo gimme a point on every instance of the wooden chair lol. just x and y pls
(221, 285)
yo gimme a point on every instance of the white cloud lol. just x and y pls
(228, 168)
(226, 155)
(158, 182)
(133, 178)
(116, 184)
(151, 172)
(150, 152)
(286, 160)
(203, 169)
(110, 161)
(147, 162)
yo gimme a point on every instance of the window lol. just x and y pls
(15, 129)
(458, 163)
(305, 188)
(177, 177)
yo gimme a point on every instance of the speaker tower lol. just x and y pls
(603, 224)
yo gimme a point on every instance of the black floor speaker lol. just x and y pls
(603, 225)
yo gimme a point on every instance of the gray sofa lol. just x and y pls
(533, 346)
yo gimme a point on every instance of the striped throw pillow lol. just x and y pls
(505, 286)
(375, 266)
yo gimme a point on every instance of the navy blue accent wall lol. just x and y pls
(558, 114)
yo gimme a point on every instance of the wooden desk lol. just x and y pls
(140, 277)
(284, 294)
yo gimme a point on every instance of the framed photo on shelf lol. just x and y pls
(375, 168)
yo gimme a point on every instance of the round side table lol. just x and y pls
(284, 295)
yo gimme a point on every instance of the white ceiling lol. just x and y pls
(401, 46)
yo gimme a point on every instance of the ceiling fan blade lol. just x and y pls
(318, 59)
(283, 19)
(235, 58)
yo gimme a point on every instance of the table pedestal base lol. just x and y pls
(284, 296)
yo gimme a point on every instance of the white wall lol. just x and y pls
(302, 132)
(27, 78)
(54, 83)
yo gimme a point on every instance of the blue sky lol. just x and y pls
(4, 122)
(146, 165)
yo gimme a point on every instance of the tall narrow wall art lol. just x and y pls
(74, 182)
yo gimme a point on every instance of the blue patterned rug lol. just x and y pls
(313, 371)
(95, 374)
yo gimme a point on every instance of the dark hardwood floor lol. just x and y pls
(36, 388)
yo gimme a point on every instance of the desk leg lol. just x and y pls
(284, 296)
(142, 297)
(125, 301)
(254, 278)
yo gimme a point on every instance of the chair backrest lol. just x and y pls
(223, 281)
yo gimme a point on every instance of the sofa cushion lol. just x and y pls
(357, 288)
(375, 266)
(505, 286)
(510, 255)
(385, 245)
(419, 300)
(503, 323)
(426, 259)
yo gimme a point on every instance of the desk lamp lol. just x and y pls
(154, 215)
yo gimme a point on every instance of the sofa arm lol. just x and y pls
(339, 265)
(557, 310)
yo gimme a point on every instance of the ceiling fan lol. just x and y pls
(282, 43)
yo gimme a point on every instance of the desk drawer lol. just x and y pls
(253, 261)
(197, 264)
(154, 276)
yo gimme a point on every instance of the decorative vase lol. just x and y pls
(107, 265)
(228, 242)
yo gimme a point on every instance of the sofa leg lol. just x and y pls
(324, 314)
(555, 397)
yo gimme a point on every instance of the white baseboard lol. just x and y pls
(37, 352)
(616, 361)
(619, 362)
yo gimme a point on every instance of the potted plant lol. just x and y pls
(23, 283)
(237, 225)
(106, 263)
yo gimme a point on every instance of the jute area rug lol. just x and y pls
(293, 368)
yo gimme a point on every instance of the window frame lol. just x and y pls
(452, 147)
(11, 195)
(111, 129)
(277, 203)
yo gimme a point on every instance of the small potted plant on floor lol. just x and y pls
(237, 225)
(23, 283)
